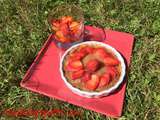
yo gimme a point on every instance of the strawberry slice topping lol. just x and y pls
(104, 80)
(92, 65)
(112, 71)
(74, 65)
(110, 61)
(86, 77)
(93, 83)
(77, 74)
(101, 52)
(77, 56)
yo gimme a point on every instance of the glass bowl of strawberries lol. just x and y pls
(67, 24)
(92, 69)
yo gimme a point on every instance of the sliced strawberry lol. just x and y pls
(92, 65)
(83, 50)
(110, 61)
(101, 52)
(77, 56)
(92, 84)
(76, 64)
(69, 68)
(104, 80)
(77, 74)
(112, 71)
(87, 50)
(86, 77)
(73, 65)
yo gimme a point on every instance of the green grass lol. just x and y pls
(24, 29)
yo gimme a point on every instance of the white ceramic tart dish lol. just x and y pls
(94, 94)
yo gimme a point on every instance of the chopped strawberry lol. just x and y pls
(110, 61)
(104, 80)
(74, 26)
(77, 74)
(64, 28)
(86, 77)
(59, 34)
(101, 52)
(60, 37)
(55, 23)
(54, 28)
(92, 65)
(112, 71)
(67, 19)
(92, 84)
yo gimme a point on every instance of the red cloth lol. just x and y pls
(44, 77)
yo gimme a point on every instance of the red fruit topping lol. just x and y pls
(77, 56)
(64, 28)
(77, 64)
(93, 83)
(59, 34)
(74, 26)
(110, 61)
(83, 50)
(67, 19)
(77, 74)
(89, 49)
(92, 65)
(104, 80)
(112, 71)
(86, 77)
(86, 50)
(101, 52)
(74, 65)
(60, 37)
(55, 23)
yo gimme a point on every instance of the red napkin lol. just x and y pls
(44, 77)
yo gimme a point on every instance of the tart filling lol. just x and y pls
(91, 68)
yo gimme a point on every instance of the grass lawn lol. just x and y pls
(24, 29)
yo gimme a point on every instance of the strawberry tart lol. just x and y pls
(92, 69)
